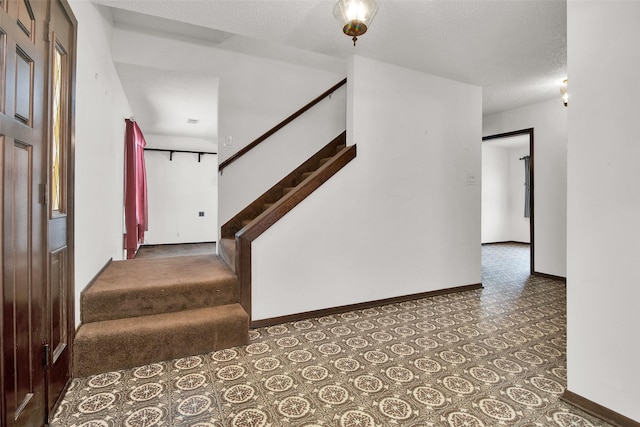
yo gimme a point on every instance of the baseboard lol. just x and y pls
(359, 306)
(95, 276)
(505, 242)
(550, 276)
(597, 410)
(172, 244)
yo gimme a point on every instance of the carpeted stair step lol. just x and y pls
(287, 190)
(267, 206)
(245, 222)
(126, 343)
(340, 147)
(162, 285)
(227, 251)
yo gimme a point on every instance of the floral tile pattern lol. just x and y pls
(489, 357)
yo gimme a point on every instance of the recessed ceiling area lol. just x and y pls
(515, 50)
(163, 101)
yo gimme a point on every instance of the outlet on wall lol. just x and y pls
(201, 213)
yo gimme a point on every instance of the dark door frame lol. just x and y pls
(529, 132)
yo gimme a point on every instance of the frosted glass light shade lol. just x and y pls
(565, 94)
(355, 16)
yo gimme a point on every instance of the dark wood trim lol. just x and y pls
(505, 242)
(280, 125)
(255, 208)
(360, 306)
(303, 190)
(94, 278)
(550, 276)
(528, 131)
(172, 244)
(597, 410)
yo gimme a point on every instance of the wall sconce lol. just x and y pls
(355, 16)
(565, 94)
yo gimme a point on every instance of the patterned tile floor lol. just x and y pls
(490, 357)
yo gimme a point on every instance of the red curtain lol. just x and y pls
(135, 189)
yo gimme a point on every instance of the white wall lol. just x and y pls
(519, 230)
(549, 120)
(400, 218)
(101, 107)
(603, 282)
(245, 180)
(178, 189)
(495, 197)
(503, 194)
(255, 94)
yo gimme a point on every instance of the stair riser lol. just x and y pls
(124, 348)
(135, 303)
(227, 251)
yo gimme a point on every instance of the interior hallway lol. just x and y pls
(476, 358)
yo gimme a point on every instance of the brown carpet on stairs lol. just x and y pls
(151, 286)
(149, 310)
(112, 345)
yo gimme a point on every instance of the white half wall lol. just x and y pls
(400, 218)
(179, 189)
(101, 107)
(503, 194)
(549, 121)
(603, 282)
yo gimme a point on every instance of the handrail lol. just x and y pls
(280, 125)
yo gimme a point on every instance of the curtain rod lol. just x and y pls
(167, 150)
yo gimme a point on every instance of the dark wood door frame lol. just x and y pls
(36, 261)
(529, 132)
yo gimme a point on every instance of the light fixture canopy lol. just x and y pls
(563, 91)
(355, 16)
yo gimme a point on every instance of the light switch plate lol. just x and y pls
(472, 178)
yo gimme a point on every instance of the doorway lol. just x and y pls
(528, 136)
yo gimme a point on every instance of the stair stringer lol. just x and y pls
(245, 236)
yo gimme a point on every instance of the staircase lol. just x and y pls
(238, 233)
(143, 311)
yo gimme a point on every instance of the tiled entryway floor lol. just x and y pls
(489, 357)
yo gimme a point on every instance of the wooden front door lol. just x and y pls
(37, 289)
(60, 294)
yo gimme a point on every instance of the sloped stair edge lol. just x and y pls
(127, 343)
(233, 225)
(260, 224)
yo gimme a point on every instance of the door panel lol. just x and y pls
(23, 336)
(36, 257)
(21, 124)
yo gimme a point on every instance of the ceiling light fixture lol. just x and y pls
(355, 16)
(565, 94)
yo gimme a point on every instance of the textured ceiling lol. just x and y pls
(164, 100)
(514, 49)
